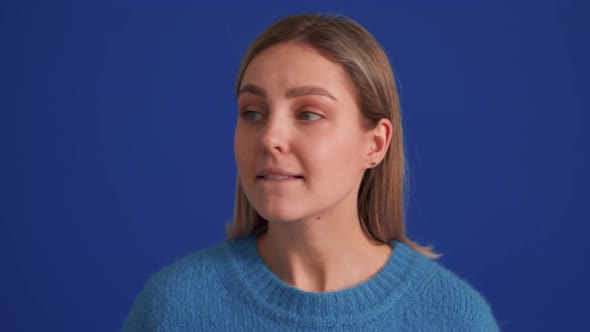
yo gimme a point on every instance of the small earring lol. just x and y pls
(373, 163)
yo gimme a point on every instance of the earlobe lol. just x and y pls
(380, 139)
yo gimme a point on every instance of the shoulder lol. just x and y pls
(452, 301)
(191, 270)
(177, 287)
(201, 262)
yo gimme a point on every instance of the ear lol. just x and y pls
(379, 139)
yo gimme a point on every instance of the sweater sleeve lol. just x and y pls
(178, 296)
(454, 305)
(148, 313)
(477, 314)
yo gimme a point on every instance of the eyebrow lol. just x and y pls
(291, 93)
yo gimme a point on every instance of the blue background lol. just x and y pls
(116, 127)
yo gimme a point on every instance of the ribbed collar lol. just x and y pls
(262, 288)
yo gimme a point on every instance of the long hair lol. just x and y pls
(381, 193)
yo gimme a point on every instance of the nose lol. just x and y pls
(274, 136)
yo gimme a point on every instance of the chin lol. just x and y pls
(275, 216)
(283, 208)
(279, 212)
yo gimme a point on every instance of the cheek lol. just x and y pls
(336, 156)
(242, 149)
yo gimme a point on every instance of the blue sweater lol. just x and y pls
(229, 288)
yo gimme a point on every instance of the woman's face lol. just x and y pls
(298, 115)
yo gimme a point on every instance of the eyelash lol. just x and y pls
(310, 112)
(246, 113)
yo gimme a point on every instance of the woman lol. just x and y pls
(318, 240)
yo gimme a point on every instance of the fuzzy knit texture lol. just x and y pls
(228, 287)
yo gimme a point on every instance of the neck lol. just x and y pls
(321, 255)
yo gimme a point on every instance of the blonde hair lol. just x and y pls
(343, 41)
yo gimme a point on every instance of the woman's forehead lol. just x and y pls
(296, 69)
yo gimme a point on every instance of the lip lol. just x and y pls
(277, 171)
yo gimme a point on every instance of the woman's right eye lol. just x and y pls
(251, 115)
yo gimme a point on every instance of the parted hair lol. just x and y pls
(381, 203)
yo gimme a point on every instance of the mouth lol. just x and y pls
(278, 177)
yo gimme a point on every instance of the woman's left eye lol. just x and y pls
(250, 115)
(310, 116)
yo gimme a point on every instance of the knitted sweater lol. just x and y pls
(228, 287)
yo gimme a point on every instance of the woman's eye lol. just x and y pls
(251, 115)
(310, 116)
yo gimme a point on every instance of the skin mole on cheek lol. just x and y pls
(318, 218)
